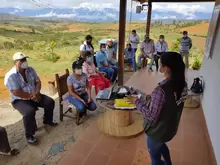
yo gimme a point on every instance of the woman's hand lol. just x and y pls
(83, 102)
(131, 99)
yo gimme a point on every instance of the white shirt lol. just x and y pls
(134, 39)
(161, 46)
(85, 47)
(148, 47)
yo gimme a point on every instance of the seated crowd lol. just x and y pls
(25, 85)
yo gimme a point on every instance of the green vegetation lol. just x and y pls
(54, 45)
(196, 63)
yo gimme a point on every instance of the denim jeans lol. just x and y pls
(80, 106)
(158, 150)
(133, 63)
(111, 72)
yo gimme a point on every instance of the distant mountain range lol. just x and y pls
(85, 14)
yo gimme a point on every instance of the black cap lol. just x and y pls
(77, 65)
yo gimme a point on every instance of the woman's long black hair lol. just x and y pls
(174, 62)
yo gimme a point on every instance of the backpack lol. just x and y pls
(197, 86)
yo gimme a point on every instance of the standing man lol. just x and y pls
(160, 48)
(104, 66)
(111, 54)
(134, 40)
(24, 85)
(86, 46)
(147, 51)
(185, 46)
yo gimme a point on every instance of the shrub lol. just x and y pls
(196, 63)
(50, 55)
(20, 44)
(176, 45)
(8, 45)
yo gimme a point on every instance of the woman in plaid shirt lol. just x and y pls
(163, 108)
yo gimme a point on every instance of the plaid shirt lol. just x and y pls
(14, 81)
(151, 108)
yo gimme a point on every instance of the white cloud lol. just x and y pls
(53, 14)
(186, 9)
(94, 6)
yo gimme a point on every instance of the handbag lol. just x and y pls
(197, 86)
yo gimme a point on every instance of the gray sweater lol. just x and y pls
(185, 45)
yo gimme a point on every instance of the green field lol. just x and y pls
(33, 37)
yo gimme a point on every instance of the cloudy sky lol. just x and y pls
(187, 9)
(33, 4)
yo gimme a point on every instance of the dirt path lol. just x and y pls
(53, 142)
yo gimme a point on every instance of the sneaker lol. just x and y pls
(31, 140)
(13, 152)
(150, 69)
(53, 124)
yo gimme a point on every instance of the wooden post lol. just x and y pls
(148, 17)
(122, 22)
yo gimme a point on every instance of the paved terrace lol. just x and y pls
(69, 144)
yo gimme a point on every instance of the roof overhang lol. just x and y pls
(174, 1)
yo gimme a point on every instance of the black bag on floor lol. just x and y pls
(197, 86)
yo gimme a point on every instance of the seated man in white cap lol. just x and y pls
(147, 50)
(24, 85)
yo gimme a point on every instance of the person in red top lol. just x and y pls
(95, 77)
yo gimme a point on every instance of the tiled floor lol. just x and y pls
(189, 147)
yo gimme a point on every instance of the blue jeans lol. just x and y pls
(80, 106)
(111, 72)
(157, 150)
(133, 63)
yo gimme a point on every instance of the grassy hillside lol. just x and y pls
(38, 38)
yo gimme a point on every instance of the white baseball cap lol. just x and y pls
(19, 56)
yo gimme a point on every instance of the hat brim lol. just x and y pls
(22, 58)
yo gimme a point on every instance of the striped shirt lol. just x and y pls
(185, 45)
(14, 81)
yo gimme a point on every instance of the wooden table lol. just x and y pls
(119, 123)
